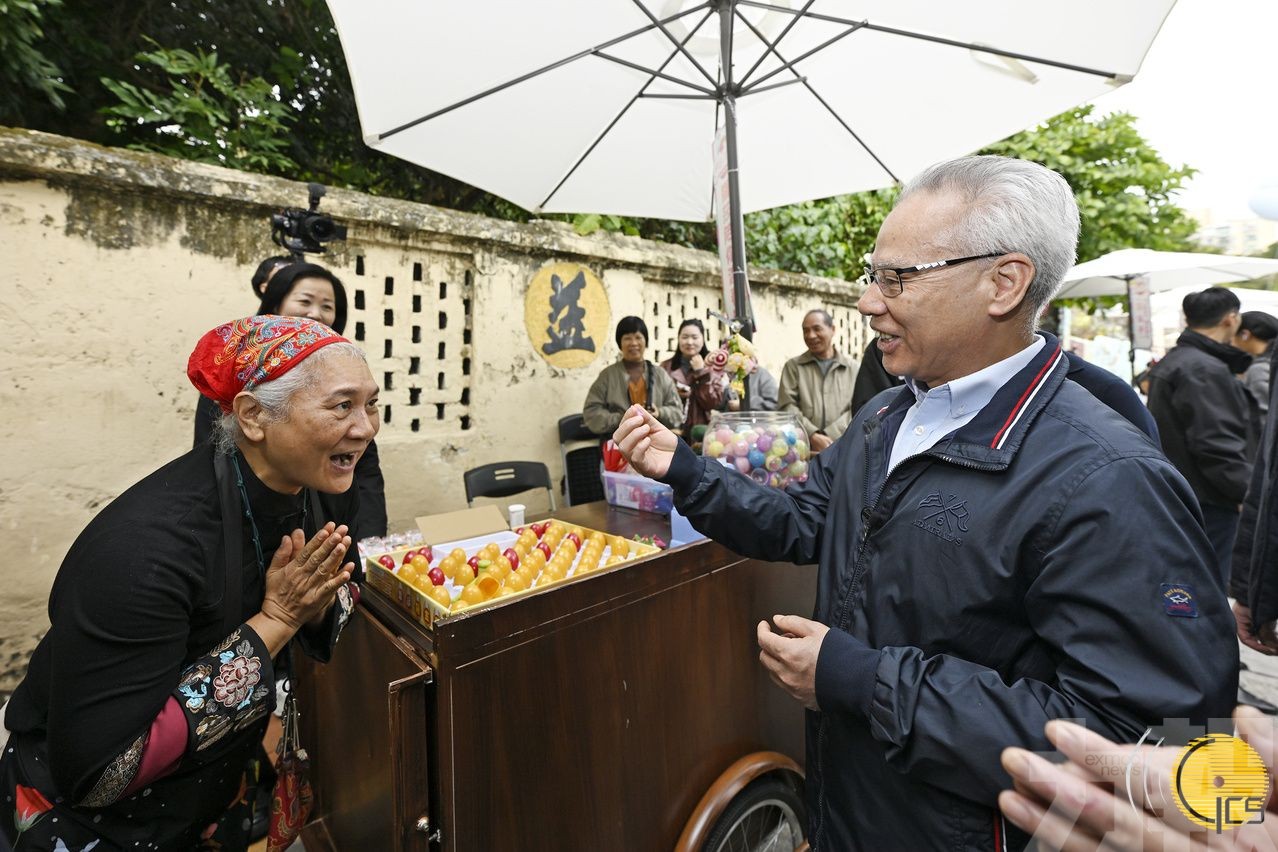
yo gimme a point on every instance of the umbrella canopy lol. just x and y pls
(1109, 274)
(611, 106)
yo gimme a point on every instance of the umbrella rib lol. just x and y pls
(803, 80)
(624, 110)
(793, 20)
(617, 59)
(981, 48)
(754, 90)
(592, 51)
(679, 46)
(822, 46)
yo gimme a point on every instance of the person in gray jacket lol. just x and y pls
(1255, 336)
(816, 387)
(996, 548)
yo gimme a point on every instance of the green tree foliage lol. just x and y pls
(198, 110)
(25, 70)
(1123, 186)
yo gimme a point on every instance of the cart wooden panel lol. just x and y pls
(593, 716)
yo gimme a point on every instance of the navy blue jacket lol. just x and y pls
(1045, 561)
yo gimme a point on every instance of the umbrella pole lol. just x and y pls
(736, 220)
(740, 284)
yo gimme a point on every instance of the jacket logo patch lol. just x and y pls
(944, 517)
(1179, 600)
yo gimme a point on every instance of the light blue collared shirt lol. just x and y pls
(941, 410)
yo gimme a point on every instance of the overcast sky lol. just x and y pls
(1207, 96)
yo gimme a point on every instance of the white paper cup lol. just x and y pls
(516, 511)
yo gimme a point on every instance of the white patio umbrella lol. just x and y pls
(1135, 273)
(1110, 274)
(612, 106)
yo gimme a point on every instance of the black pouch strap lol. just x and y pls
(232, 543)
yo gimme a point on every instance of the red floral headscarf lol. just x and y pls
(243, 354)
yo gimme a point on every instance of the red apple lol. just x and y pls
(473, 562)
(408, 557)
(513, 556)
(575, 539)
(436, 576)
(540, 530)
(519, 530)
(386, 561)
(544, 548)
(428, 552)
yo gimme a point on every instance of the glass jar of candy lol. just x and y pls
(770, 447)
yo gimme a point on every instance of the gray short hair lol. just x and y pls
(1013, 205)
(276, 396)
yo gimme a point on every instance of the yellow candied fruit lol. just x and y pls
(472, 594)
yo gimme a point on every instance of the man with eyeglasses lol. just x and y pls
(996, 547)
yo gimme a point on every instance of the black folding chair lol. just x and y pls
(582, 457)
(503, 479)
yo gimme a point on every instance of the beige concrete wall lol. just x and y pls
(115, 262)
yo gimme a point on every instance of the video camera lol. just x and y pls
(301, 230)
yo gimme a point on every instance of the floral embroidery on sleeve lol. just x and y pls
(226, 690)
(347, 597)
(240, 672)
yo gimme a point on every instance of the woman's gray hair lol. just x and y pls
(276, 396)
(1013, 205)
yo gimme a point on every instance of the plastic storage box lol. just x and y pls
(638, 492)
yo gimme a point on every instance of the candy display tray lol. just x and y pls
(426, 611)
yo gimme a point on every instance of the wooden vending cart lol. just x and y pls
(623, 711)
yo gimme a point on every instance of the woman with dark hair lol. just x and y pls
(701, 390)
(306, 290)
(311, 291)
(1256, 336)
(265, 270)
(634, 380)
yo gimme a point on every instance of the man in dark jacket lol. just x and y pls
(1206, 418)
(996, 548)
(1254, 579)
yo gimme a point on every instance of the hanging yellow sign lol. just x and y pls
(567, 315)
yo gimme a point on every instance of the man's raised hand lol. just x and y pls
(646, 444)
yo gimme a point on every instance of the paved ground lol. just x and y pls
(1261, 675)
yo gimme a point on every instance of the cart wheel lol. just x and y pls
(767, 816)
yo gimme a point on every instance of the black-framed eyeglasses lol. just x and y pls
(888, 278)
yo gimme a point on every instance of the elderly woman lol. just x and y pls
(309, 290)
(634, 380)
(174, 607)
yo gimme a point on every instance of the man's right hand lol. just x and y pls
(646, 444)
(1242, 623)
(820, 442)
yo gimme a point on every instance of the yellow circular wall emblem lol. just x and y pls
(1220, 782)
(567, 315)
